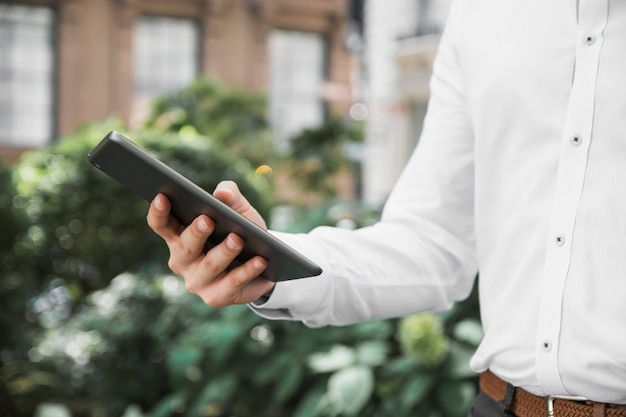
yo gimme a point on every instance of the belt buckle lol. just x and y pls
(550, 402)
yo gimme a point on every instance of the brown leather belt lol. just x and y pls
(526, 404)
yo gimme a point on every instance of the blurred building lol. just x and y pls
(68, 62)
(399, 40)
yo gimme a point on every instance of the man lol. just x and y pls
(520, 173)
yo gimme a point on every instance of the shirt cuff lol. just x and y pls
(297, 299)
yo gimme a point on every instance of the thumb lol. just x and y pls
(228, 192)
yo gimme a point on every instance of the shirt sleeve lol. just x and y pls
(421, 255)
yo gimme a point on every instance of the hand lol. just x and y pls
(210, 275)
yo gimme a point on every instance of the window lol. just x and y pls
(166, 52)
(296, 67)
(26, 75)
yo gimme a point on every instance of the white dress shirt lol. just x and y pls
(520, 174)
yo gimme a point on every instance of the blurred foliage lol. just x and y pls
(423, 338)
(144, 342)
(231, 118)
(318, 155)
(16, 331)
(70, 229)
(348, 214)
(14, 287)
(236, 121)
(139, 345)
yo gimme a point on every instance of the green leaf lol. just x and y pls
(457, 366)
(372, 352)
(338, 357)
(181, 358)
(350, 389)
(219, 390)
(227, 334)
(416, 389)
(133, 410)
(272, 368)
(288, 384)
(175, 403)
(422, 336)
(400, 366)
(455, 397)
(313, 404)
(470, 331)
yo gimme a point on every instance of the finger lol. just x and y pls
(240, 285)
(219, 258)
(255, 290)
(228, 192)
(192, 240)
(242, 276)
(160, 220)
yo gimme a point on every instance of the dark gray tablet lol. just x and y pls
(142, 173)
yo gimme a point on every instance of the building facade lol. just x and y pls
(400, 39)
(68, 62)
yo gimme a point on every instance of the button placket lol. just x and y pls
(570, 179)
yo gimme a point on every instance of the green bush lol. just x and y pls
(144, 342)
(317, 155)
(230, 118)
(15, 291)
(236, 120)
(70, 229)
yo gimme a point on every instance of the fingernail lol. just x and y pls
(258, 264)
(203, 225)
(222, 188)
(158, 203)
(232, 243)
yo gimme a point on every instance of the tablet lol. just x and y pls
(142, 173)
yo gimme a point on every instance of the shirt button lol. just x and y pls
(559, 240)
(576, 140)
(589, 40)
(546, 346)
